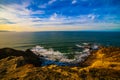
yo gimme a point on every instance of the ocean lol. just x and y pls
(63, 41)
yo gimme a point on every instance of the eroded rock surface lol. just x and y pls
(103, 64)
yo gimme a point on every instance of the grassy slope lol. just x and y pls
(101, 65)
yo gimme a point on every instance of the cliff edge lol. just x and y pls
(103, 64)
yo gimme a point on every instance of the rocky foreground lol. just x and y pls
(103, 64)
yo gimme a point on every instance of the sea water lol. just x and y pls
(63, 41)
(61, 48)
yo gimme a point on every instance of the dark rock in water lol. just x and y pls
(30, 57)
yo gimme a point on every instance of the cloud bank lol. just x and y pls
(60, 15)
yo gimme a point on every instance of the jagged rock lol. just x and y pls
(29, 57)
(101, 65)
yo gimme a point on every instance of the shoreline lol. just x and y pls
(51, 57)
(101, 64)
(59, 59)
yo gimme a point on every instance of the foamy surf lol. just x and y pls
(50, 56)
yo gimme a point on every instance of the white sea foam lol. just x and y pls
(52, 56)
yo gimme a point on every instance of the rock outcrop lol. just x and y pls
(103, 64)
(29, 57)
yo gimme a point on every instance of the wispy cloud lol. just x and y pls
(21, 16)
(74, 1)
(91, 16)
(54, 14)
(47, 4)
(53, 17)
(51, 1)
(18, 14)
(5, 21)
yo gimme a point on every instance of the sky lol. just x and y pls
(60, 15)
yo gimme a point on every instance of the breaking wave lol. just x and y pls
(49, 56)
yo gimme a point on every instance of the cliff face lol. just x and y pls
(103, 64)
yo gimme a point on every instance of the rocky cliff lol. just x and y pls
(103, 64)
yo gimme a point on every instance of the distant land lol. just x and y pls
(4, 31)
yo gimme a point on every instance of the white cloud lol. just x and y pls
(53, 17)
(47, 4)
(18, 14)
(51, 1)
(21, 16)
(74, 1)
(91, 16)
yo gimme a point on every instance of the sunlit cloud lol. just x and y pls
(18, 14)
(59, 15)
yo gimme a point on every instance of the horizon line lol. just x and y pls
(66, 31)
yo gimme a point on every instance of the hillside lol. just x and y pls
(103, 64)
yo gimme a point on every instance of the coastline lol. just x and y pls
(101, 64)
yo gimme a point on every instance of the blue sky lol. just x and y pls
(60, 15)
